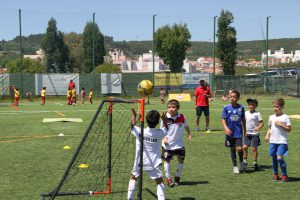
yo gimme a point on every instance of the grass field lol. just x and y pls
(32, 159)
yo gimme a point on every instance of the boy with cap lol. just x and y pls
(254, 123)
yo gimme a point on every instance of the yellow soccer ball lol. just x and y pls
(145, 88)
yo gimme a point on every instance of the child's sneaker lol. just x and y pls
(208, 130)
(170, 182)
(236, 170)
(275, 177)
(197, 129)
(284, 179)
(177, 179)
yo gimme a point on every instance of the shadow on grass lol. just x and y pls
(193, 182)
(150, 192)
(294, 179)
(250, 169)
(155, 196)
(181, 183)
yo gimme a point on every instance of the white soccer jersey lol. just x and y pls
(252, 121)
(175, 135)
(278, 135)
(152, 141)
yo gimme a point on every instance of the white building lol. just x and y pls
(39, 55)
(188, 66)
(279, 56)
(143, 64)
(296, 57)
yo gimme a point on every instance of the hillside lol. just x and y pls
(246, 49)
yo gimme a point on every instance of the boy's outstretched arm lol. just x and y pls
(133, 120)
(163, 117)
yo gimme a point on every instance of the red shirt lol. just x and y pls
(200, 95)
(72, 85)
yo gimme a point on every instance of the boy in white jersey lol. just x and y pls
(151, 152)
(279, 126)
(172, 144)
(254, 123)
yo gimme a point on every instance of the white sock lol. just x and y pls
(167, 169)
(179, 169)
(131, 188)
(160, 192)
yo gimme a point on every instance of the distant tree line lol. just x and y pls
(72, 52)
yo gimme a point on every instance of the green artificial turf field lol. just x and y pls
(32, 158)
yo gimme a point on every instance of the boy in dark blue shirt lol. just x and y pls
(234, 123)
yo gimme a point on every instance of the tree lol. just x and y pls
(88, 47)
(56, 51)
(74, 43)
(171, 44)
(29, 66)
(108, 68)
(226, 45)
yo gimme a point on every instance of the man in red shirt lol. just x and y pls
(201, 95)
(72, 84)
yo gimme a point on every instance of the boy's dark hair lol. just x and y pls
(82, 88)
(152, 118)
(236, 92)
(252, 101)
(174, 102)
(279, 101)
(44, 88)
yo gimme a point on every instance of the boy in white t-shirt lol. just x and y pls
(151, 152)
(279, 126)
(254, 123)
(172, 144)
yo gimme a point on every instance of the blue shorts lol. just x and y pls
(199, 110)
(233, 142)
(252, 140)
(278, 149)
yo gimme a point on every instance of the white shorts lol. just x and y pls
(153, 174)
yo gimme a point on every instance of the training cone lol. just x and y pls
(83, 166)
(67, 147)
(61, 134)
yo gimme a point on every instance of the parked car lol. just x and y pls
(270, 73)
(253, 79)
(289, 72)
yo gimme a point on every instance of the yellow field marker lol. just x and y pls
(83, 166)
(60, 113)
(26, 139)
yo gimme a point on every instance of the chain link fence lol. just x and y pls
(256, 85)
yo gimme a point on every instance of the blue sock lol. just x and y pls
(282, 166)
(275, 164)
(233, 157)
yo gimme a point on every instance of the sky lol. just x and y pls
(132, 20)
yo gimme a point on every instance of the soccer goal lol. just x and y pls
(103, 160)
